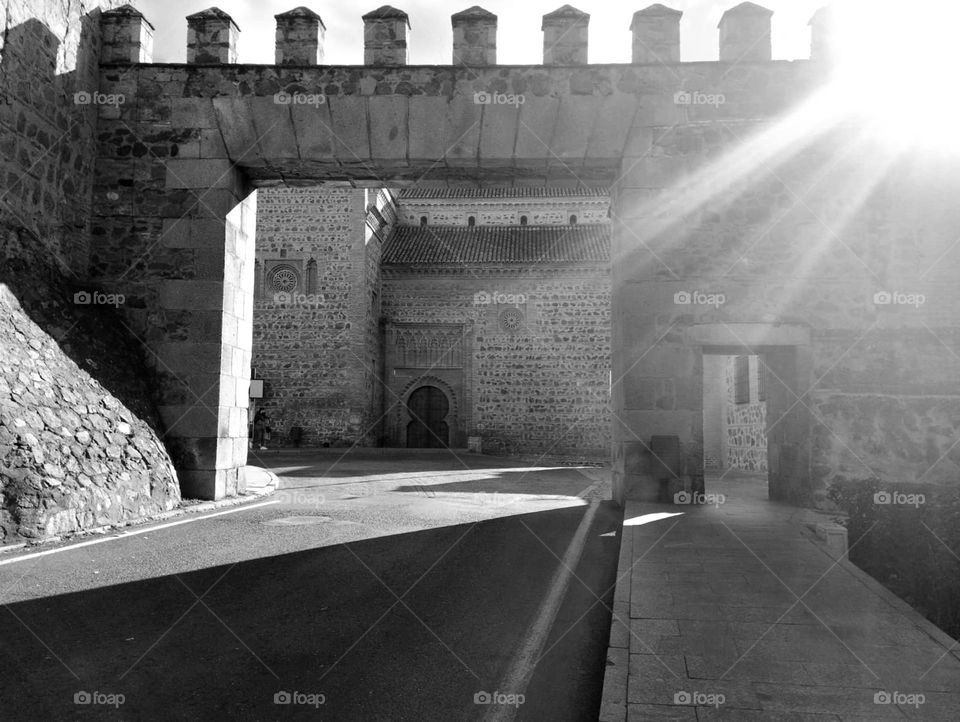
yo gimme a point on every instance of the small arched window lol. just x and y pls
(573, 220)
(423, 221)
(523, 220)
(283, 253)
(471, 221)
(311, 276)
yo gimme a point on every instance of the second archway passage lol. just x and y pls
(428, 407)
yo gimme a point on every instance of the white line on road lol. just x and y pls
(133, 532)
(525, 660)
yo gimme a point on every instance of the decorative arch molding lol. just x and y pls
(428, 380)
(403, 417)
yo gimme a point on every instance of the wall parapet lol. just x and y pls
(744, 36)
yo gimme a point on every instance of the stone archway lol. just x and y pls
(407, 415)
(176, 177)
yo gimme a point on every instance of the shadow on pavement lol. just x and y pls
(405, 627)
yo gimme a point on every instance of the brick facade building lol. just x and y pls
(429, 316)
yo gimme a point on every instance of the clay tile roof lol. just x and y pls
(459, 245)
(474, 13)
(425, 193)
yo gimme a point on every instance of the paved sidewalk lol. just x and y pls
(737, 612)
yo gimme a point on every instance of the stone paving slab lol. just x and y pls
(738, 612)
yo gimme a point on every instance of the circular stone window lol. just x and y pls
(284, 278)
(511, 319)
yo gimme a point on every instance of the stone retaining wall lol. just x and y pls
(73, 455)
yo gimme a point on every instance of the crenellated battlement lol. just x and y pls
(212, 35)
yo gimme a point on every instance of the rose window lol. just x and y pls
(511, 319)
(284, 279)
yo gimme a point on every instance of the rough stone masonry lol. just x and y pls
(816, 236)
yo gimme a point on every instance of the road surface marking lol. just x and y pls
(525, 660)
(132, 532)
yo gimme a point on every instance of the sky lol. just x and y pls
(519, 38)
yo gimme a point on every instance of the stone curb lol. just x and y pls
(613, 699)
(950, 645)
(183, 510)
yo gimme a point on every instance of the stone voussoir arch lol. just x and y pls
(403, 415)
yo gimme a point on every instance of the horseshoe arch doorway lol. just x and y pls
(428, 407)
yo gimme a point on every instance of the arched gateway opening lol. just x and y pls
(428, 407)
(175, 190)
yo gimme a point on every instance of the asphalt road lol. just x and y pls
(367, 588)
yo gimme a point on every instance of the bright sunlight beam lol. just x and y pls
(896, 70)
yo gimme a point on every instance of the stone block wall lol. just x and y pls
(714, 413)
(318, 349)
(858, 252)
(80, 442)
(48, 85)
(745, 423)
(381, 218)
(542, 387)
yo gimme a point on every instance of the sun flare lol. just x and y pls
(895, 70)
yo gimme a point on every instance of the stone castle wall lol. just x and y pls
(714, 413)
(316, 348)
(851, 260)
(380, 221)
(542, 388)
(50, 53)
(80, 441)
(745, 424)
(72, 455)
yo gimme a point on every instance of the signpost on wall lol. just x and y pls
(256, 392)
